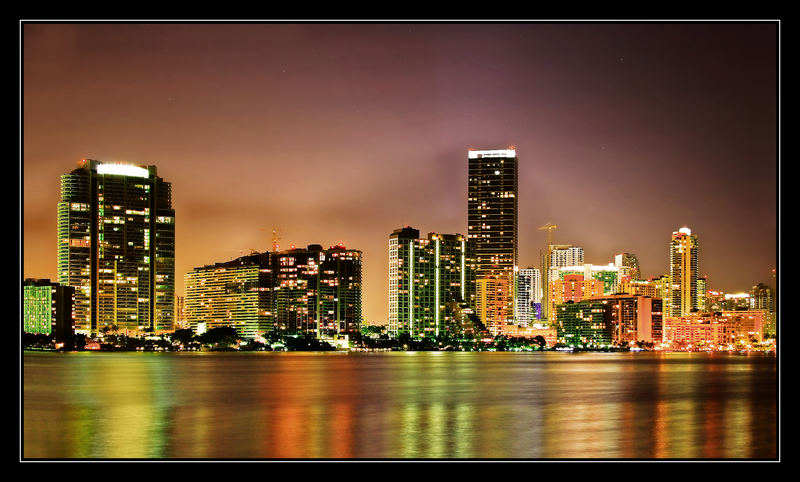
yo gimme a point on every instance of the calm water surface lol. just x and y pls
(398, 405)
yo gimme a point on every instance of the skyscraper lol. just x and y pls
(116, 246)
(683, 273)
(628, 265)
(431, 283)
(492, 216)
(529, 286)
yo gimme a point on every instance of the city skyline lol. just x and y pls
(226, 205)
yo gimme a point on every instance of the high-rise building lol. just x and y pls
(312, 291)
(610, 320)
(237, 294)
(318, 291)
(47, 308)
(492, 221)
(491, 294)
(683, 272)
(628, 265)
(574, 287)
(431, 283)
(529, 294)
(116, 246)
(563, 255)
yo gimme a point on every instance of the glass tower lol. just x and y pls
(492, 219)
(431, 283)
(116, 246)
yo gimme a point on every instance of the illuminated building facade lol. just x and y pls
(529, 286)
(561, 256)
(492, 219)
(236, 294)
(116, 247)
(609, 275)
(492, 293)
(318, 291)
(584, 323)
(47, 308)
(683, 272)
(628, 265)
(431, 283)
(574, 287)
(721, 329)
(634, 319)
(312, 291)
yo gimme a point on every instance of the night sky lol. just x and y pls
(345, 132)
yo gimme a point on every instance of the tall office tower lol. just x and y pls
(529, 285)
(431, 283)
(683, 272)
(318, 291)
(237, 293)
(116, 246)
(47, 308)
(628, 265)
(492, 217)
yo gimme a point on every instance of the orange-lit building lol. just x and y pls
(491, 296)
(718, 329)
(572, 288)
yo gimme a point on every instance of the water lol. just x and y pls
(399, 405)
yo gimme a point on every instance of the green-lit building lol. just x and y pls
(584, 323)
(47, 308)
(431, 283)
(116, 247)
(297, 291)
(609, 275)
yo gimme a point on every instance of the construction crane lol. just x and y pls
(549, 227)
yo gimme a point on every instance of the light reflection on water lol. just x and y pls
(398, 405)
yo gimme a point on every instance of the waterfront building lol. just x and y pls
(583, 323)
(529, 286)
(116, 247)
(683, 272)
(47, 308)
(574, 287)
(431, 283)
(180, 313)
(311, 291)
(720, 329)
(492, 216)
(237, 294)
(634, 318)
(628, 265)
(318, 291)
(490, 303)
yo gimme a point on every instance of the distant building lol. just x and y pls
(492, 216)
(180, 313)
(529, 286)
(47, 308)
(574, 287)
(431, 283)
(628, 265)
(609, 275)
(116, 246)
(683, 253)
